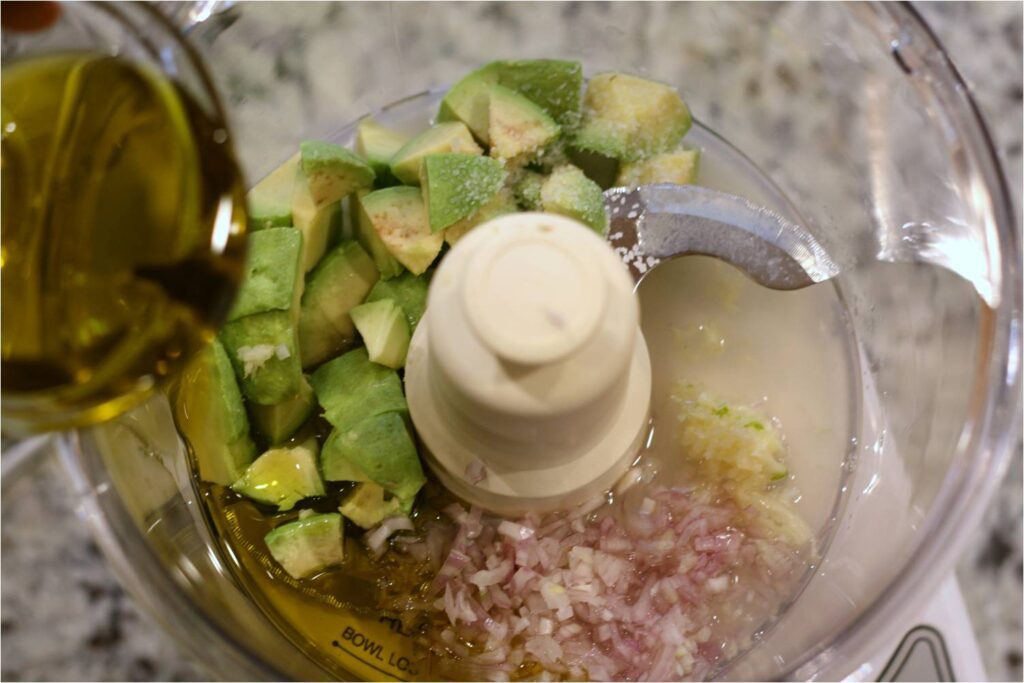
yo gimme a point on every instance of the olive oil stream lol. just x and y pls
(122, 217)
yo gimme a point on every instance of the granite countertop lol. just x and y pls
(64, 616)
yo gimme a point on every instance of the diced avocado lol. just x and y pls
(309, 545)
(387, 265)
(282, 476)
(408, 291)
(452, 137)
(350, 388)
(272, 279)
(270, 201)
(384, 330)
(553, 84)
(211, 416)
(526, 189)
(679, 166)
(599, 168)
(456, 185)
(332, 171)
(518, 128)
(277, 423)
(399, 217)
(380, 447)
(314, 221)
(631, 118)
(378, 144)
(467, 101)
(570, 193)
(366, 505)
(502, 203)
(339, 282)
(334, 467)
(264, 351)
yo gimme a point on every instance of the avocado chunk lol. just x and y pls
(384, 330)
(378, 144)
(553, 84)
(327, 173)
(502, 203)
(570, 193)
(381, 448)
(270, 201)
(367, 507)
(399, 217)
(308, 546)
(272, 279)
(526, 189)
(631, 118)
(679, 167)
(452, 138)
(518, 128)
(467, 101)
(456, 185)
(264, 351)
(408, 291)
(338, 283)
(313, 221)
(332, 171)
(282, 476)
(350, 389)
(208, 410)
(387, 265)
(277, 423)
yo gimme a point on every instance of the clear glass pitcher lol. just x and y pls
(888, 163)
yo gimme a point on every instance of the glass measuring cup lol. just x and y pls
(928, 451)
(123, 211)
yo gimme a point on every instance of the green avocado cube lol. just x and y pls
(270, 201)
(631, 118)
(452, 138)
(381, 448)
(282, 476)
(378, 144)
(277, 423)
(408, 291)
(526, 189)
(456, 185)
(210, 414)
(367, 507)
(399, 217)
(272, 280)
(264, 351)
(308, 546)
(504, 202)
(518, 128)
(332, 171)
(678, 167)
(384, 330)
(569, 192)
(387, 265)
(350, 388)
(340, 282)
(553, 84)
(467, 101)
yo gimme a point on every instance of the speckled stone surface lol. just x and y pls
(64, 615)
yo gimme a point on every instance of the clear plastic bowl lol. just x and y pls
(888, 162)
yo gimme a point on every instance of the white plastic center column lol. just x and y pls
(528, 379)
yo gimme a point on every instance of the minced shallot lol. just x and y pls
(626, 593)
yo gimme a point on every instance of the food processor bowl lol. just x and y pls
(852, 112)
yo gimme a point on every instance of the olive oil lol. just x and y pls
(122, 222)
